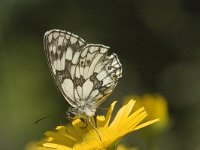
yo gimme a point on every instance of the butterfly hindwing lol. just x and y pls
(100, 72)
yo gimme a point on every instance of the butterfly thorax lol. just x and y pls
(80, 112)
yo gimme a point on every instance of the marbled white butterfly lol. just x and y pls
(82, 72)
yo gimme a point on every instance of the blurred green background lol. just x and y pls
(157, 41)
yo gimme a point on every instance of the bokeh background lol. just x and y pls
(157, 41)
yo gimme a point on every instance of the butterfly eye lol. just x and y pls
(70, 115)
(109, 68)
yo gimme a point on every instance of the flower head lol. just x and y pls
(81, 136)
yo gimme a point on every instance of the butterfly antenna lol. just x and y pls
(94, 128)
(43, 118)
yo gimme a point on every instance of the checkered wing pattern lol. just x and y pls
(83, 73)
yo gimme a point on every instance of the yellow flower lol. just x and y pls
(81, 136)
(156, 106)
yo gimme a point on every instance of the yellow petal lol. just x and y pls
(109, 113)
(100, 121)
(78, 127)
(63, 139)
(145, 124)
(56, 146)
(128, 108)
(119, 117)
(133, 115)
(133, 123)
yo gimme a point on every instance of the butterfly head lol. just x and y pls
(72, 113)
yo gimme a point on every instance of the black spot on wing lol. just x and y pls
(79, 81)
(97, 83)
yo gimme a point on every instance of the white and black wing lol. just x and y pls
(63, 51)
(100, 74)
(83, 72)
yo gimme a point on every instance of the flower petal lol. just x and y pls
(100, 121)
(64, 139)
(56, 146)
(109, 113)
(122, 113)
(145, 124)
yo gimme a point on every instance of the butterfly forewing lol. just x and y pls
(63, 50)
(83, 72)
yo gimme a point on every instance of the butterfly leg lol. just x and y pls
(85, 122)
(89, 121)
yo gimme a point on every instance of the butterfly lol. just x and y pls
(83, 73)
